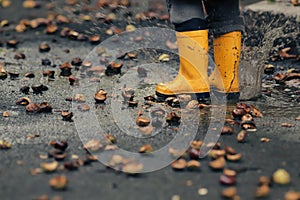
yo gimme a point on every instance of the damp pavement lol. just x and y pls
(30, 134)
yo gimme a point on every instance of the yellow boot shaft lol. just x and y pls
(227, 51)
(192, 76)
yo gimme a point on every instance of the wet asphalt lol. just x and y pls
(95, 181)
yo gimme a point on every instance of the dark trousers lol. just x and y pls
(220, 16)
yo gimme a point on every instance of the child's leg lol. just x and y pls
(224, 16)
(182, 11)
(192, 39)
(226, 23)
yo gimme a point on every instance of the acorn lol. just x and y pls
(128, 94)
(110, 139)
(82, 37)
(216, 153)
(113, 68)
(227, 180)
(95, 39)
(5, 144)
(12, 43)
(194, 153)
(80, 98)
(44, 47)
(13, 75)
(60, 145)
(67, 116)
(196, 144)
(248, 125)
(115, 160)
(238, 113)
(173, 117)
(292, 195)
(33, 108)
(30, 4)
(64, 32)
(241, 137)
(58, 182)
(73, 80)
(247, 117)
(46, 62)
(150, 98)
(29, 75)
(51, 29)
(23, 101)
(264, 180)
(133, 104)
(65, 69)
(281, 176)
(70, 165)
(73, 34)
(269, 69)
(229, 172)
(39, 88)
(83, 107)
(234, 157)
(93, 145)
(142, 121)
(172, 101)
(132, 167)
(243, 106)
(49, 73)
(62, 19)
(226, 130)
(76, 62)
(229, 150)
(87, 64)
(179, 164)
(45, 107)
(193, 165)
(262, 191)
(19, 56)
(49, 166)
(25, 89)
(3, 72)
(100, 96)
(146, 149)
(218, 164)
(57, 154)
(229, 193)
(255, 111)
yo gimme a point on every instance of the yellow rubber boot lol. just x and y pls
(227, 51)
(192, 76)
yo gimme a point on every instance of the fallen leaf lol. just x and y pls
(264, 139)
(255, 111)
(288, 125)
(164, 58)
(284, 53)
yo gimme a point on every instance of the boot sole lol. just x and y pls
(231, 98)
(201, 97)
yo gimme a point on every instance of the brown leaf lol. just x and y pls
(255, 111)
(284, 53)
(295, 2)
(58, 182)
(146, 149)
(93, 145)
(288, 125)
